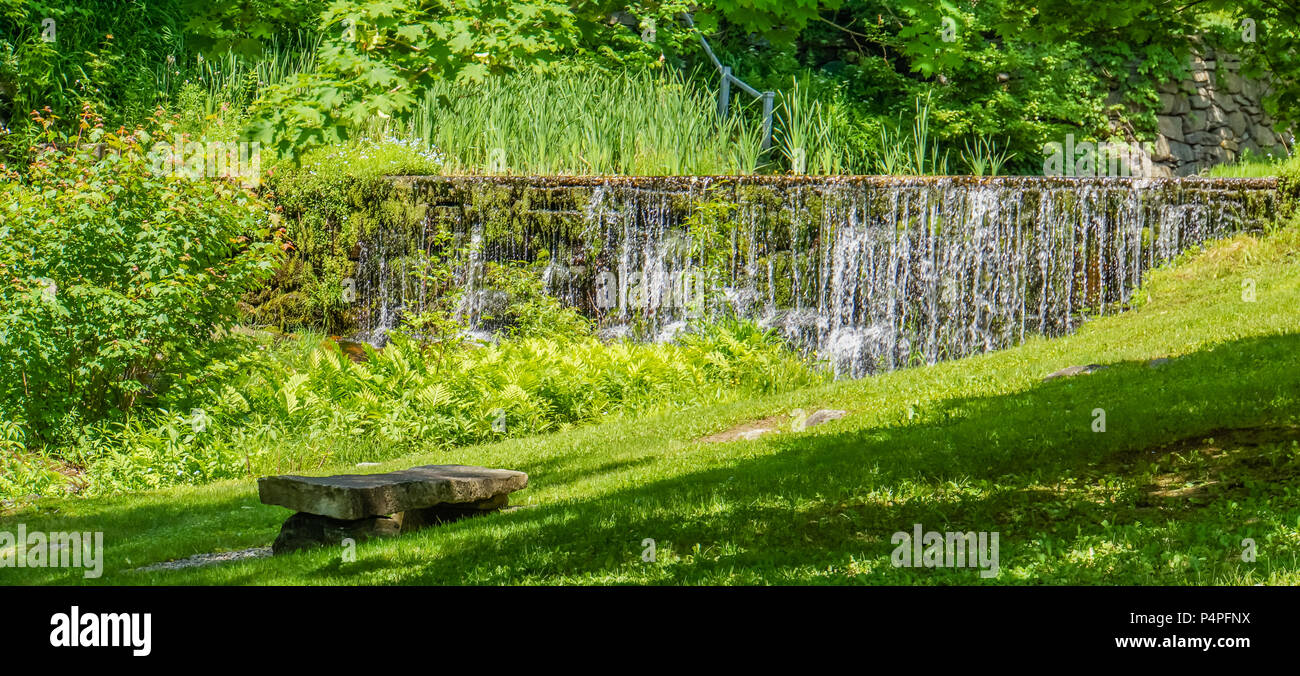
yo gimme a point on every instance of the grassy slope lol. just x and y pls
(1198, 454)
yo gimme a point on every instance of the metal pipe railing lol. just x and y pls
(724, 89)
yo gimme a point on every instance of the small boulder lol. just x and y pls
(824, 415)
(1071, 371)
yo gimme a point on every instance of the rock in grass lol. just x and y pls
(358, 496)
(773, 425)
(1074, 371)
(824, 415)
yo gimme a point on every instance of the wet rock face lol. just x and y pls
(866, 273)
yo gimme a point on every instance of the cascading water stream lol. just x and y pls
(869, 273)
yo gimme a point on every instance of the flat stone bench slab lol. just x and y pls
(357, 496)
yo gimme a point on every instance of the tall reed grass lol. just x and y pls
(807, 133)
(911, 151)
(232, 81)
(583, 123)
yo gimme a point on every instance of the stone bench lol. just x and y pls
(361, 506)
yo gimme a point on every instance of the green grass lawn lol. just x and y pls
(1251, 167)
(1198, 453)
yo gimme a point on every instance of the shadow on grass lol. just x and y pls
(1072, 505)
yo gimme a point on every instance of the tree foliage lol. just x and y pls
(112, 272)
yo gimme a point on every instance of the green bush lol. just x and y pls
(264, 405)
(531, 312)
(116, 272)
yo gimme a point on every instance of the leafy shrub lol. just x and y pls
(264, 406)
(531, 312)
(114, 272)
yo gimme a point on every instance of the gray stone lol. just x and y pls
(1224, 101)
(1204, 138)
(1162, 153)
(1157, 362)
(358, 496)
(1234, 83)
(1196, 121)
(1171, 127)
(1200, 102)
(1182, 152)
(1264, 136)
(1237, 123)
(1173, 104)
(1211, 155)
(823, 416)
(304, 531)
(1215, 116)
(1070, 371)
(1168, 103)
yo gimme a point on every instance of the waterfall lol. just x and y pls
(868, 273)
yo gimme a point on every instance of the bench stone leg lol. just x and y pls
(304, 531)
(447, 513)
